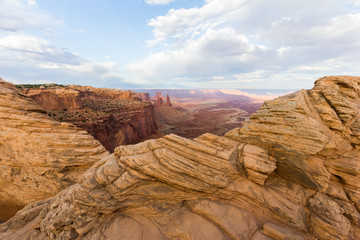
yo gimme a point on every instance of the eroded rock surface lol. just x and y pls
(292, 172)
(38, 156)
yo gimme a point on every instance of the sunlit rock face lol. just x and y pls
(291, 172)
(38, 156)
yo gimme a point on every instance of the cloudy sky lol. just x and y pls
(232, 44)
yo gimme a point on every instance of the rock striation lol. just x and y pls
(38, 156)
(114, 117)
(291, 172)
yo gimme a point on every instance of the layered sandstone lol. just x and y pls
(38, 156)
(114, 117)
(291, 172)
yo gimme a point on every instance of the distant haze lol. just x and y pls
(251, 95)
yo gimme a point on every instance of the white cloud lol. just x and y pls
(37, 53)
(159, 2)
(18, 14)
(33, 48)
(32, 2)
(356, 3)
(82, 67)
(236, 39)
(32, 57)
(181, 23)
(220, 51)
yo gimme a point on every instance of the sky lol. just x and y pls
(220, 44)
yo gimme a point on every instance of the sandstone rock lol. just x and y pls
(327, 218)
(38, 156)
(257, 163)
(288, 128)
(281, 233)
(290, 173)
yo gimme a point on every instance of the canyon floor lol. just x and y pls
(195, 112)
(192, 120)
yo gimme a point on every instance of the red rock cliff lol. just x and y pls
(114, 117)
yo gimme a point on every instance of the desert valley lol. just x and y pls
(197, 111)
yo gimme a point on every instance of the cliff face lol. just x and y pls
(38, 156)
(114, 117)
(128, 126)
(143, 96)
(57, 98)
(291, 172)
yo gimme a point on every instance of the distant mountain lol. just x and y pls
(243, 95)
(186, 93)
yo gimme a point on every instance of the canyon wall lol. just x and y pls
(121, 128)
(114, 117)
(291, 172)
(38, 155)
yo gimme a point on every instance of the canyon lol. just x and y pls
(291, 172)
(194, 112)
(119, 117)
(114, 117)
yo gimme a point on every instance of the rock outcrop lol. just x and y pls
(114, 117)
(291, 172)
(160, 101)
(38, 156)
(167, 101)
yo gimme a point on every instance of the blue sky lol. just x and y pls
(233, 44)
